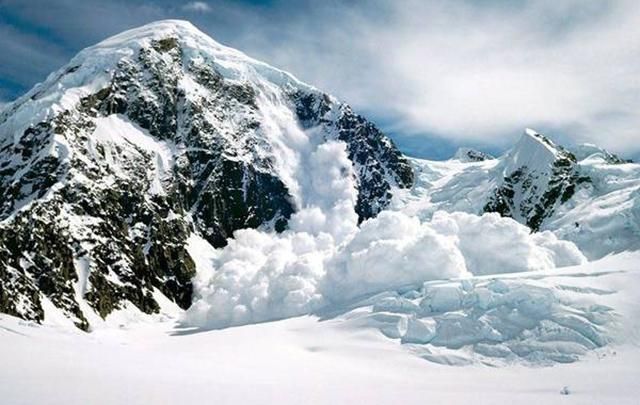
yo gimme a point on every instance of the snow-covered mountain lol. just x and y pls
(583, 194)
(151, 136)
(125, 174)
(171, 195)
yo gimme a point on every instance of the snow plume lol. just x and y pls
(330, 195)
(325, 259)
(491, 244)
(388, 252)
(261, 276)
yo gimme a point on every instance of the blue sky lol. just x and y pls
(433, 74)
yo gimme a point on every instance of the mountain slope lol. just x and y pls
(590, 197)
(146, 138)
(537, 176)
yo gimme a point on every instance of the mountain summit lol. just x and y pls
(538, 175)
(146, 139)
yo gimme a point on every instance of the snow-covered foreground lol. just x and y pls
(337, 357)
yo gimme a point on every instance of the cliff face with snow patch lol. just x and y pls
(153, 135)
(537, 176)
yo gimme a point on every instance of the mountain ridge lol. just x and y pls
(583, 194)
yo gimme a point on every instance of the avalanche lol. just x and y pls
(372, 265)
(155, 137)
(326, 260)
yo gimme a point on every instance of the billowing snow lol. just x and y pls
(325, 259)
(261, 276)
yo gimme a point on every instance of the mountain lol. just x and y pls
(109, 167)
(584, 194)
(122, 172)
(537, 175)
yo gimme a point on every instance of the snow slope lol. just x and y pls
(601, 214)
(334, 358)
(604, 216)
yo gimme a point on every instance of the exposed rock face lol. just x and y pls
(108, 167)
(471, 155)
(538, 176)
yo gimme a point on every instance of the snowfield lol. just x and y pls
(343, 357)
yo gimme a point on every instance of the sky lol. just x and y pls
(433, 74)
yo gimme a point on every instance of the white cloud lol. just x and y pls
(468, 71)
(197, 6)
(476, 71)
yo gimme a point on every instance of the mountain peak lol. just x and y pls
(92, 69)
(538, 175)
(180, 29)
(534, 151)
(532, 134)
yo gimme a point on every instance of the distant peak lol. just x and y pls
(591, 151)
(171, 22)
(533, 150)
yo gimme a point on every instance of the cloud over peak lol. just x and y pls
(197, 6)
(458, 71)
